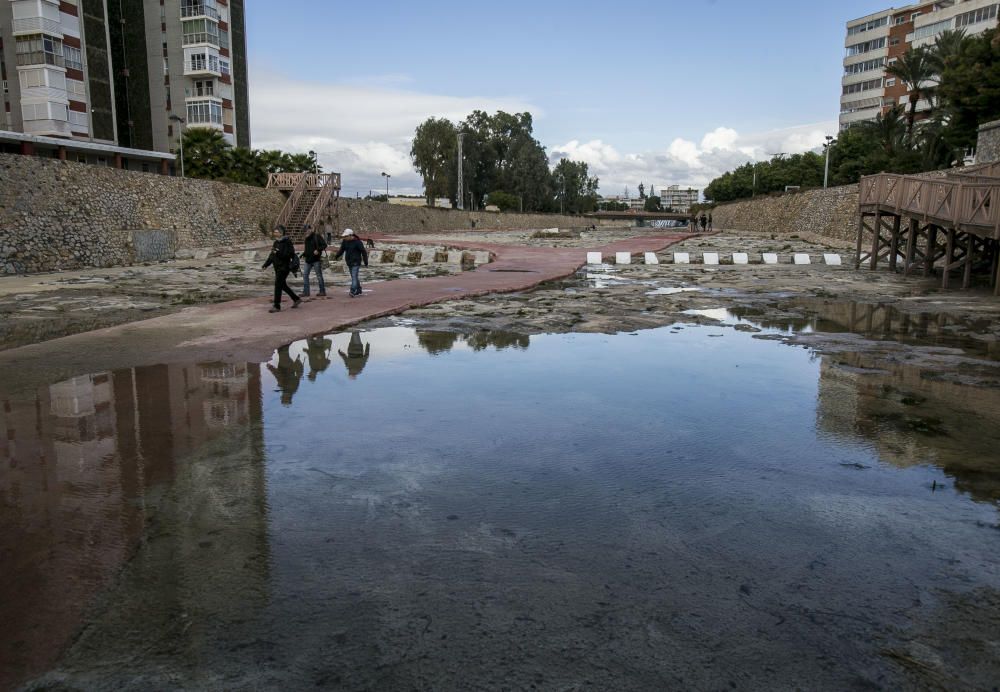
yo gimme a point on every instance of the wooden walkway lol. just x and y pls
(947, 224)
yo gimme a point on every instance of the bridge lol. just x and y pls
(638, 216)
(937, 224)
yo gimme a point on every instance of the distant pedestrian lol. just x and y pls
(354, 253)
(284, 260)
(709, 222)
(704, 222)
(313, 256)
(694, 224)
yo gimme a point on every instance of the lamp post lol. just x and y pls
(179, 119)
(386, 176)
(830, 141)
(460, 193)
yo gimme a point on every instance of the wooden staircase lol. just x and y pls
(312, 198)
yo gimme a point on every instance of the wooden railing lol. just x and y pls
(283, 181)
(331, 186)
(293, 200)
(948, 202)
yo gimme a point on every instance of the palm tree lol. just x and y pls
(914, 68)
(947, 47)
(889, 128)
(205, 153)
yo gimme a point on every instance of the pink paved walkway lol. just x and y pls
(243, 329)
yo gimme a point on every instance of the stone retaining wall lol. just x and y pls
(378, 217)
(829, 216)
(988, 142)
(63, 215)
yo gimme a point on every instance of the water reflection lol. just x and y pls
(82, 465)
(287, 374)
(357, 355)
(437, 342)
(318, 353)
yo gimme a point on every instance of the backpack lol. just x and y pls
(294, 265)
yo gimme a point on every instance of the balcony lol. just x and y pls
(47, 128)
(199, 10)
(36, 25)
(195, 68)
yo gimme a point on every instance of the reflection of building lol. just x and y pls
(83, 469)
(877, 40)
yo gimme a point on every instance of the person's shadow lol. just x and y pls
(288, 374)
(318, 353)
(357, 355)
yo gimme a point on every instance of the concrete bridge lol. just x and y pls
(638, 215)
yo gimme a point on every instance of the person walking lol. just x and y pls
(704, 222)
(285, 261)
(709, 222)
(354, 253)
(313, 256)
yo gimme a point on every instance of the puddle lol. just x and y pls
(671, 290)
(377, 509)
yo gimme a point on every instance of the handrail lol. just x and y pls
(293, 200)
(286, 181)
(326, 194)
(966, 202)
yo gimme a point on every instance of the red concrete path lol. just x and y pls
(244, 330)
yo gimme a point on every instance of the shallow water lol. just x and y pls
(413, 509)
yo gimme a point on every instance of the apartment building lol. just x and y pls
(877, 40)
(129, 74)
(677, 198)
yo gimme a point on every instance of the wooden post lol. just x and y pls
(932, 231)
(894, 243)
(970, 241)
(996, 275)
(861, 233)
(911, 245)
(875, 240)
(949, 256)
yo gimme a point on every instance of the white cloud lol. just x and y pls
(358, 130)
(361, 130)
(684, 162)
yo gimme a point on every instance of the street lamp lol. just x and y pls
(386, 176)
(830, 141)
(179, 119)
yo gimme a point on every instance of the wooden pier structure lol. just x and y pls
(948, 223)
(312, 199)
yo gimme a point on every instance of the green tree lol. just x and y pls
(206, 153)
(914, 68)
(504, 200)
(969, 88)
(434, 151)
(652, 203)
(574, 186)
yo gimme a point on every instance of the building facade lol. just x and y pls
(677, 198)
(877, 40)
(126, 73)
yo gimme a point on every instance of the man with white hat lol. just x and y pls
(354, 254)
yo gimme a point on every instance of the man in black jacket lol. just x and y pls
(282, 255)
(355, 252)
(313, 257)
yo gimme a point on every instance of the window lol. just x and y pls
(78, 119)
(204, 113)
(866, 47)
(863, 86)
(39, 50)
(72, 57)
(866, 66)
(44, 111)
(890, 82)
(224, 66)
(894, 42)
(200, 31)
(974, 17)
(900, 20)
(76, 88)
(32, 79)
(931, 29)
(868, 26)
(204, 88)
(914, 16)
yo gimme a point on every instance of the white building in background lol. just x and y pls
(877, 40)
(678, 198)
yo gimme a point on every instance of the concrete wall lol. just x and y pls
(376, 217)
(829, 216)
(988, 145)
(61, 215)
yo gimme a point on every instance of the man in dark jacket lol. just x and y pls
(355, 253)
(313, 257)
(282, 256)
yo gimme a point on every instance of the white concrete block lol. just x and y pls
(682, 258)
(741, 258)
(201, 254)
(454, 256)
(249, 254)
(623, 258)
(769, 257)
(832, 259)
(403, 256)
(802, 258)
(481, 257)
(427, 256)
(651, 258)
(594, 258)
(374, 257)
(710, 257)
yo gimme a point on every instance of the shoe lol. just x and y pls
(274, 309)
(321, 294)
(296, 303)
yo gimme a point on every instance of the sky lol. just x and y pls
(662, 93)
